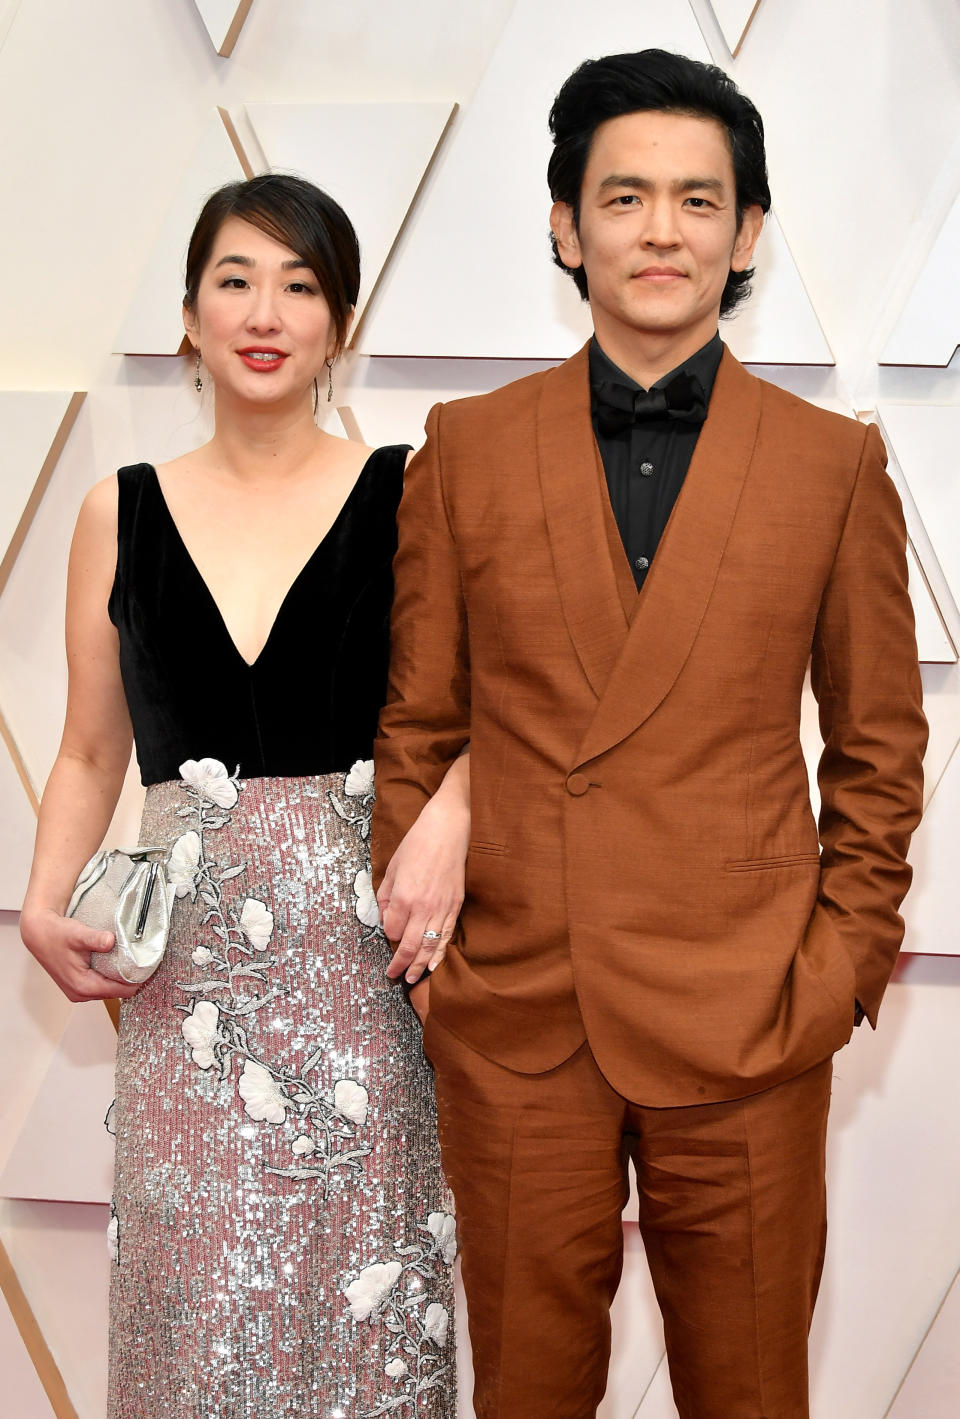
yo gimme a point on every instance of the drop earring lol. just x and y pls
(197, 381)
(329, 366)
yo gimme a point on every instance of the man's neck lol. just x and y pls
(648, 355)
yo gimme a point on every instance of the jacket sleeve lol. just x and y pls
(867, 682)
(426, 720)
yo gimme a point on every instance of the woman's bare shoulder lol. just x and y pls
(98, 510)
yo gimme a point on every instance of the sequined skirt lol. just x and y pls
(281, 1229)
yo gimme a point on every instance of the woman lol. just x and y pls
(282, 1239)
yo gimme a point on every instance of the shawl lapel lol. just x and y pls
(571, 485)
(677, 590)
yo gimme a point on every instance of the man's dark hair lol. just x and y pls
(653, 80)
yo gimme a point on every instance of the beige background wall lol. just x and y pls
(109, 134)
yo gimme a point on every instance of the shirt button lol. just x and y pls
(642, 563)
(577, 784)
(646, 469)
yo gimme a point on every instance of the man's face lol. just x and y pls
(658, 233)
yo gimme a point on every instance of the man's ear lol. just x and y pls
(751, 225)
(564, 229)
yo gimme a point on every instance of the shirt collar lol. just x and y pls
(703, 365)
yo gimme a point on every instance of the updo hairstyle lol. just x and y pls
(299, 216)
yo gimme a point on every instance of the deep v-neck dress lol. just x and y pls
(281, 1230)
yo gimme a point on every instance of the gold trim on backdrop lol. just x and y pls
(234, 137)
(40, 487)
(236, 25)
(48, 1372)
(349, 421)
(743, 35)
(19, 764)
(926, 1336)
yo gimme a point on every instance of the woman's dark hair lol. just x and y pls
(654, 80)
(301, 217)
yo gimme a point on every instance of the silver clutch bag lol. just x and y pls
(126, 893)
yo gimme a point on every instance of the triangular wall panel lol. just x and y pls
(472, 275)
(777, 325)
(63, 1153)
(59, 1252)
(23, 1394)
(930, 908)
(224, 20)
(153, 325)
(934, 645)
(371, 157)
(928, 330)
(925, 439)
(18, 826)
(35, 426)
(931, 1388)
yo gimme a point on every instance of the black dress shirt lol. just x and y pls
(646, 463)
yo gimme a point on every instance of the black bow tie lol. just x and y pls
(616, 407)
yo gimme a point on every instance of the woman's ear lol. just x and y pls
(190, 325)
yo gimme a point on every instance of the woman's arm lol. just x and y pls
(85, 781)
(422, 889)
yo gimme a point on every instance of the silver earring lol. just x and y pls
(197, 381)
(329, 380)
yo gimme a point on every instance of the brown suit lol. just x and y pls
(645, 872)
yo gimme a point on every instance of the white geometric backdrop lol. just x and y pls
(118, 116)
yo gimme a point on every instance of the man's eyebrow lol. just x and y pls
(644, 184)
(295, 264)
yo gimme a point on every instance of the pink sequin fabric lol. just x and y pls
(282, 1233)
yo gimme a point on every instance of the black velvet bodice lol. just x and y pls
(309, 703)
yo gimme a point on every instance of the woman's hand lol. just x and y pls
(63, 946)
(422, 890)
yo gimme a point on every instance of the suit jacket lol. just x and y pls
(645, 870)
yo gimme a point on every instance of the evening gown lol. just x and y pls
(281, 1234)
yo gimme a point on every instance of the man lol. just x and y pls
(610, 581)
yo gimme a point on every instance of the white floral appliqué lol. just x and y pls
(210, 779)
(443, 1228)
(367, 910)
(184, 864)
(261, 1094)
(359, 781)
(435, 1323)
(350, 1100)
(371, 1288)
(417, 1328)
(113, 1237)
(201, 1030)
(256, 923)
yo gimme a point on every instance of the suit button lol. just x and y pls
(577, 784)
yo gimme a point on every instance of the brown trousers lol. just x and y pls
(732, 1214)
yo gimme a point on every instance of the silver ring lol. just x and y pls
(431, 935)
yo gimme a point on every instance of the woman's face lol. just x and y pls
(260, 320)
